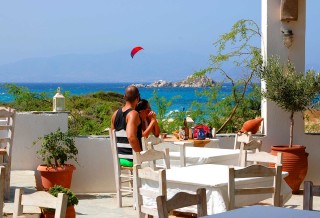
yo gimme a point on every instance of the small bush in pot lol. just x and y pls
(72, 200)
(56, 148)
(293, 92)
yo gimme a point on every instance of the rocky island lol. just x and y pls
(191, 81)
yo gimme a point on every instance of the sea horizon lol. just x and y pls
(187, 94)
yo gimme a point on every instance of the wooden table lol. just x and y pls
(214, 178)
(197, 156)
(266, 212)
(196, 142)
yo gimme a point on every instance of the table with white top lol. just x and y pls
(214, 178)
(266, 212)
(197, 156)
(214, 143)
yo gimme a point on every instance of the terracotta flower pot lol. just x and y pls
(251, 125)
(51, 176)
(71, 213)
(295, 162)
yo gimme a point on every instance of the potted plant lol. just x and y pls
(293, 92)
(72, 200)
(55, 149)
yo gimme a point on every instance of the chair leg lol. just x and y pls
(7, 181)
(2, 182)
(118, 187)
(307, 196)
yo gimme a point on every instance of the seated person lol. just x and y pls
(148, 119)
(126, 118)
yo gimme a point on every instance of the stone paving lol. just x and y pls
(104, 205)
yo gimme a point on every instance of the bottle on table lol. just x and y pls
(186, 129)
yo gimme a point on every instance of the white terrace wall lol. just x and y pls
(94, 174)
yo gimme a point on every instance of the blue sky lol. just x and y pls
(44, 29)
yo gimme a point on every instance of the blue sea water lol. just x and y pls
(187, 94)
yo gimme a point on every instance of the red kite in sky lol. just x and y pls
(135, 50)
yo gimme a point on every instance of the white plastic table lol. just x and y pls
(266, 212)
(197, 156)
(215, 179)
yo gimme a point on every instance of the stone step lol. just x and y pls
(22, 179)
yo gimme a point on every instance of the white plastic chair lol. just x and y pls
(123, 175)
(183, 199)
(255, 171)
(7, 123)
(40, 199)
(151, 156)
(158, 176)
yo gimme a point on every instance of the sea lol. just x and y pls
(187, 95)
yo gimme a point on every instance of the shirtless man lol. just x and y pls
(127, 118)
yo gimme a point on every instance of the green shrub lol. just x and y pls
(56, 148)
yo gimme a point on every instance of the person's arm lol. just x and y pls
(149, 128)
(155, 126)
(156, 129)
(133, 121)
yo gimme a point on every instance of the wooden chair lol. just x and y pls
(182, 149)
(2, 183)
(7, 123)
(148, 143)
(123, 175)
(242, 138)
(255, 171)
(260, 157)
(183, 199)
(247, 143)
(40, 199)
(310, 190)
(151, 156)
(152, 140)
(148, 174)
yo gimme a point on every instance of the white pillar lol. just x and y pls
(276, 120)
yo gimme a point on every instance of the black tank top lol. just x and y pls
(119, 124)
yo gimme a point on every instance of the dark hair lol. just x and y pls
(131, 93)
(142, 105)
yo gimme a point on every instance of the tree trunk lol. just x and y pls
(291, 129)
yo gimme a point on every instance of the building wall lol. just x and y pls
(276, 120)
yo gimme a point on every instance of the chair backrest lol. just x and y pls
(40, 199)
(151, 156)
(148, 143)
(7, 119)
(255, 171)
(121, 134)
(259, 157)
(183, 199)
(7, 126)
(240, 137)
(114, 151)
(247, 143)
(123, 175)
(148, 175)
(310, 190)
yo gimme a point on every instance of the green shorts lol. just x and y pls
(126, 162)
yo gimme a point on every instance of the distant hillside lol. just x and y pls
(202, 81)
(112, 67)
